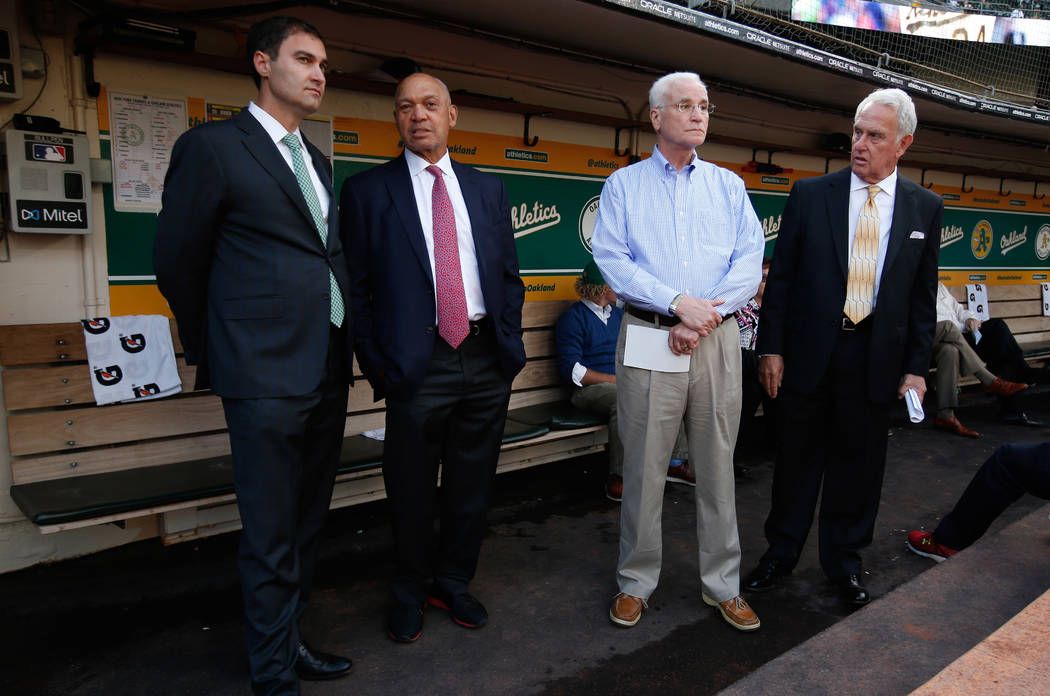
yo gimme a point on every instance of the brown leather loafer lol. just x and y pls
(736, 612)
(626, 610)
(1000, 387)
(953, 425)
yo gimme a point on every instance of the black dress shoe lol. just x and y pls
(464, 608)
(312, 665)
(404, 623)
(851, 591)
(764, 577)
(1021, 418)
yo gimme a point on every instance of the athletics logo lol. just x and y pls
(981, 239)
(145, 390)
(96, 326)
(108, 376)
(588, 216)
(135, 343)
(1042, 243)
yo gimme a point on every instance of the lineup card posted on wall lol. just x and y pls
(142, 131)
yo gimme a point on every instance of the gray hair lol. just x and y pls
(900, 102)
(660, 89)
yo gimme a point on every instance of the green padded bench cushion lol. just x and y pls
(77, 498)
(96, 495)
(515, 431)
(557, 415)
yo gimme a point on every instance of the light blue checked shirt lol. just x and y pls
(661, 232)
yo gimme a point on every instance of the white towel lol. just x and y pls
(131, 358)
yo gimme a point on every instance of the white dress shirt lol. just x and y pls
(423, 188)
(948, 309)
(276, 131)
(858, 195)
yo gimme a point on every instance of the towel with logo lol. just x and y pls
(131, 358)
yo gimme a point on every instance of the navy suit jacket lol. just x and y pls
(806, 288)
(392, 286)
(239, 259)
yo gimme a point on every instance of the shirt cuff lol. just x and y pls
(578, 373)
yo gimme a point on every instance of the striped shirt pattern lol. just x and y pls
(661, 232)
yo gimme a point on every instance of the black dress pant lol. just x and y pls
(454, 423)
(1003, 357)
(285, 452)
(835, 436)
(1009, 473)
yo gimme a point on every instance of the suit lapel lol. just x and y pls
(838, 217)
(399, 185)
(263, 149)
(902, 202)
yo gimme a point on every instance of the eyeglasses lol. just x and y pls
(687, 107)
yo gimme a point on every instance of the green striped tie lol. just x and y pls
(338, 311)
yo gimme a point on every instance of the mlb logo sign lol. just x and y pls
(43, 152)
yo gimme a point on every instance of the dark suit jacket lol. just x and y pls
(239, 259)
(392, 287)
(806, 287)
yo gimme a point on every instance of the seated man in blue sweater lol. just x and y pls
(586, 339)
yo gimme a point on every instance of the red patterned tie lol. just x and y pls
(451, 300)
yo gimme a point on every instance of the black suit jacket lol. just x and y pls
(806, 288)
(239, 259)
(392, 286)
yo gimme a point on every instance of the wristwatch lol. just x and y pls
(673, 307)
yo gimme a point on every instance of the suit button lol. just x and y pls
(327, 296)
(430, 330)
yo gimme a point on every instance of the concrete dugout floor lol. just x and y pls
(144, 619)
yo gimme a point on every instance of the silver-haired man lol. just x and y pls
(678, 240)
(847, 325)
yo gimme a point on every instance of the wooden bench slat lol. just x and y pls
(32, 344)
(1017, 308)
(545, 313)
(39, 343)
(1025, 325)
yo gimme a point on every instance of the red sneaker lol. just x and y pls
(681, 473)
(923, 544)
(614, 488)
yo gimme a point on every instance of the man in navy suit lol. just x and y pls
(436, 300)
(847, 325)
(249, 258)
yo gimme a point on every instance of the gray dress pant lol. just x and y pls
(651, 405)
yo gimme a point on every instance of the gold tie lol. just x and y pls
(863, 261)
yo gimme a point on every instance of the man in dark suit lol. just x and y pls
(436, 300)
(847, 324)
(249, 258)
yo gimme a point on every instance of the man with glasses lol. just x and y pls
(678, 240)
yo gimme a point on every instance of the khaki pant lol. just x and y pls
(651, 405)
(952, 356)
(601, 400)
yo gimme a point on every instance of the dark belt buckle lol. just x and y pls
(848, 325)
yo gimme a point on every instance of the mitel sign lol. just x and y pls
(51, 214)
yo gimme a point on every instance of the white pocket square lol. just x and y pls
(917, 235)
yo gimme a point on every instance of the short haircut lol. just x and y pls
(268, 35)
(662, 87)
(900, 102)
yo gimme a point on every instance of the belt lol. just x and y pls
(652, 317)
(848, 325)
(482, 325)
(662, 319)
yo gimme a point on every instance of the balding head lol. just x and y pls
(424, 113)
